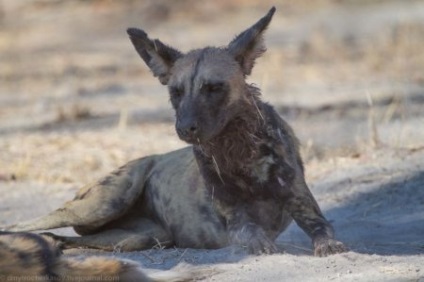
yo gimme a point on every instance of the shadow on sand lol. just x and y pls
(383, 219)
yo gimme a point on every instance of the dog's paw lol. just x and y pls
(326, 247)
(261, 244)
(253, 238)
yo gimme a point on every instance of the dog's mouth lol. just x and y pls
(199, 138)
(193, 140)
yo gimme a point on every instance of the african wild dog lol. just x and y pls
(241, 182)
(33, 257)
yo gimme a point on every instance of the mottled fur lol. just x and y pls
(32, 257)
(241, 182)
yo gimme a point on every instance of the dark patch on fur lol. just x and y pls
(45, 253)
(237, 143)
(117, 204)
(204, 210)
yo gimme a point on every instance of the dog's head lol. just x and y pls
(206, 86)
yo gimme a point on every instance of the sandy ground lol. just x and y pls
(76, 102)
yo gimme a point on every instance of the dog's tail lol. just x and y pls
(32, 257)
(111, 269)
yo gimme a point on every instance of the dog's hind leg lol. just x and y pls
(145, 235)
(97, 204)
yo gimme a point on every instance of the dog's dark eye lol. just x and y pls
(175, 95)
(176, 92)
(212, 87)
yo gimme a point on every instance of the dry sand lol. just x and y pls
(76, 102)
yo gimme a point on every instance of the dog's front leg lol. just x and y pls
(307, 214)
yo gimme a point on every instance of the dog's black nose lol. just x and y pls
(188, 131)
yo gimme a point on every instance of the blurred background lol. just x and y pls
(76, 101)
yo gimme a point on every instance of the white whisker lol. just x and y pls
(257, 108)
(215, 164)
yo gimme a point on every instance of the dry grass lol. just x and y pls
(79, 157)
(72, 92)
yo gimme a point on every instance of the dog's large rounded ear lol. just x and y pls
(249, 45)
(159, 57)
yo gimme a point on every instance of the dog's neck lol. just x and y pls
(239, 142)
